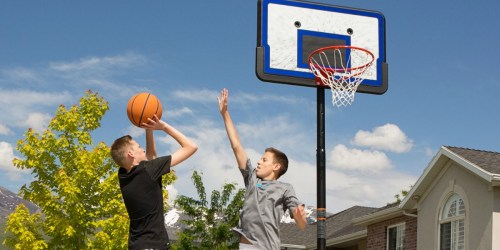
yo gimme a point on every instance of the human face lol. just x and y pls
(137, 152)
(266, 168)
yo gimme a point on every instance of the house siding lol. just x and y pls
(478, 197)
(377, 233)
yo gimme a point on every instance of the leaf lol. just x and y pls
(75, 185)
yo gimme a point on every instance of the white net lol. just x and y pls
(342, 68)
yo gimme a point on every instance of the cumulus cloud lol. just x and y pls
(6, 157)
(134, 131)
(37, 121)
(20, 103)
(7, 153)
(356, 177)
(370, 189)
(387, 137)
(179, 112)
(342, 157)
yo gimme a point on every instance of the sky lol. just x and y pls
(443, 87)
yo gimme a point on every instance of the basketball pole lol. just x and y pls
(320, 170)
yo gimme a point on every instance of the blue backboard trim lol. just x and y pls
(264, 36)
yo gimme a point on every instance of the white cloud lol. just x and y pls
(134, 131)
(239, 98)
(18, 103)
(37, 121)
(20, 75)
(177, 112)
(429, 152)
(100, 64)
(345, 158)
(369, 183)
(7, 153)
(373, 190)
(9, 99)
(4, 130)
(197, 95)
(6, 157)
(387, 137)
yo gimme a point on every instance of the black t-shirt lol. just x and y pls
(142, 193)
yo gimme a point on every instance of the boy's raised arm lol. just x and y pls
(150, 145)
(188, 147)
(238, 150)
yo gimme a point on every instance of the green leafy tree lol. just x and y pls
(75, 185)
(24, 227)
(209, 227)
(402, 194)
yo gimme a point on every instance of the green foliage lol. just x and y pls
(24, 230)
(210, 227)
(399, 197)
(75, 185)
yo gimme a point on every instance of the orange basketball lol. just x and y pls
(143, 106)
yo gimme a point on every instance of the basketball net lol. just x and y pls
(342, 68)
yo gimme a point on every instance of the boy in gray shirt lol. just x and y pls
(266, 198)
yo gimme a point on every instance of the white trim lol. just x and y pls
(431, 172)
(293, 246)
(452, 189)
(395, 226)
(382, 215)
(410, 214)
(422, 177)
(345, 238)
(469, 165)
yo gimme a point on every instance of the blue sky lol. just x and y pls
(443, 88)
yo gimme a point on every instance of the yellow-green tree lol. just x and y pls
(75, 185)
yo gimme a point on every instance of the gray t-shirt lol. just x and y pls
(265, 203)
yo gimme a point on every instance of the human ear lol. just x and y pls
(130, 154)
(277, 166)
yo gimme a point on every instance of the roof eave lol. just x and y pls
(495, 180)
(430, 172)
(382, 215)
(344, 238)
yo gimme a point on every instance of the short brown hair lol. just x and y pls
(119, 149)
(280, 158)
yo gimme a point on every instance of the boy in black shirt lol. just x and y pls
(140, 183)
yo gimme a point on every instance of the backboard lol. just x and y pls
(290, 30)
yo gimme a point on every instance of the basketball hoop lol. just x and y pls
(342, 68)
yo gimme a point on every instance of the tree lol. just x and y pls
(399, 197)
(75, 185)
(210, 227)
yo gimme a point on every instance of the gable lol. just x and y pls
(476, 162)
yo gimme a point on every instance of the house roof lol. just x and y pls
(349, 226)
(484, 164)
(339, 227)
(487, 160)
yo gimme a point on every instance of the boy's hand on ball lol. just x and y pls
(153, 124)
